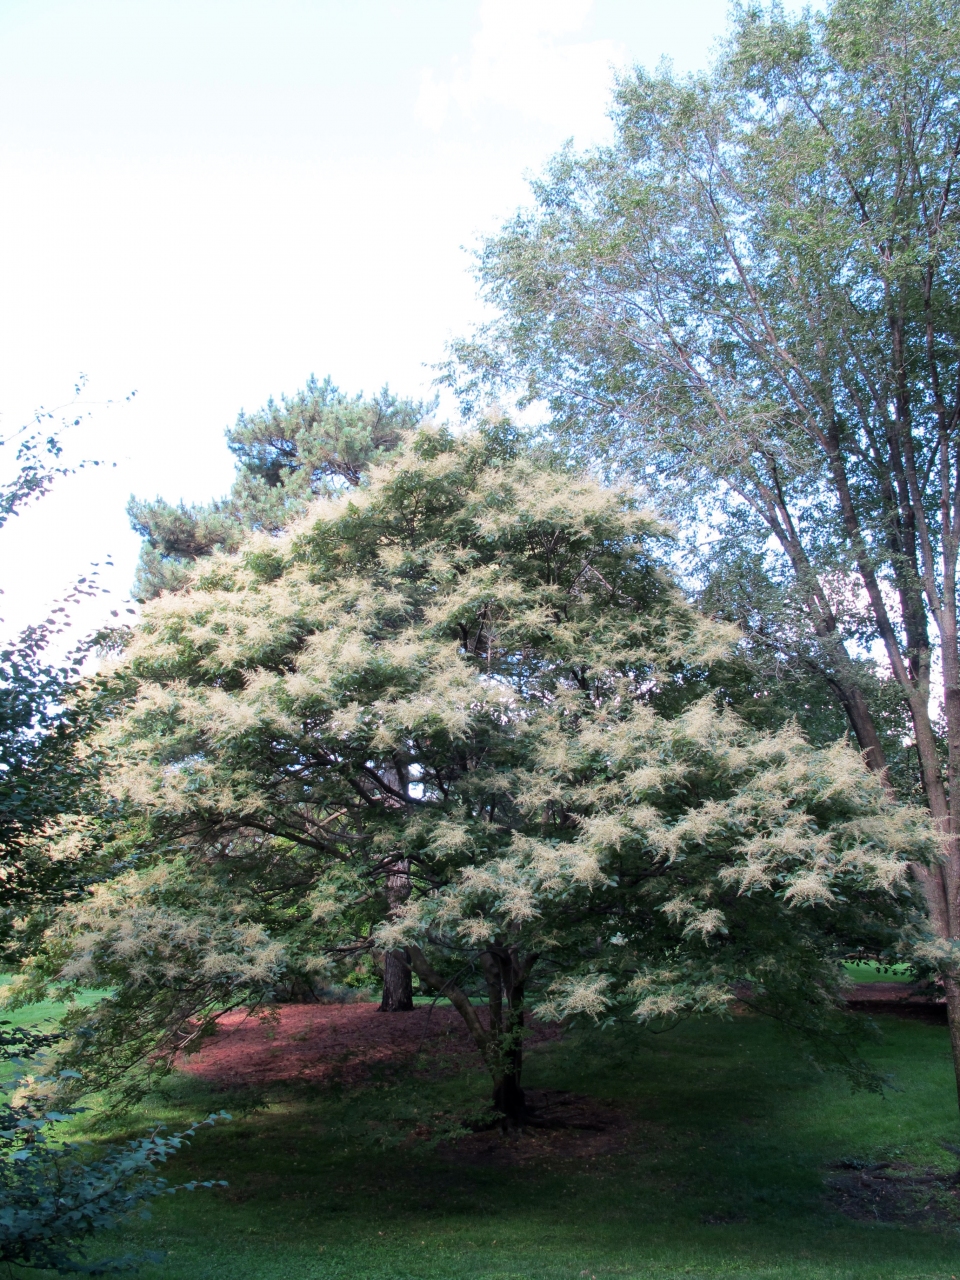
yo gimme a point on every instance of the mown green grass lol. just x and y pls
(723, 1174)
(41, 1017)
(46, 1014)
(866, 971)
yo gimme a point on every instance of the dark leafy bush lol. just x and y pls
(52, 1200)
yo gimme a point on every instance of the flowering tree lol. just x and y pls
(474, 674)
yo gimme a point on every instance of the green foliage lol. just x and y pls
(38, 457)
(474, 665)
(174, 536)
(311, 444)
(51, 1199)
(44, 769)
(35, 474)
(41, 771)
(748, 302)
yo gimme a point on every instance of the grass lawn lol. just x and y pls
(722, 1172)
(865, 971)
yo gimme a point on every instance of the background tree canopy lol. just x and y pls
(749, 301)
(315, 442)
(474, 668)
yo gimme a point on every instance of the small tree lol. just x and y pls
(474, 668)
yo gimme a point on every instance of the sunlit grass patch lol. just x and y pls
(867, 971)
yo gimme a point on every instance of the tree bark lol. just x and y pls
(862, 723)
(510, 1100)
(397, 982)
(500, 1044)
(952, 992)
(397, 974)
(505, 996)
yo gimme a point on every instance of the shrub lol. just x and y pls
(52, 1200)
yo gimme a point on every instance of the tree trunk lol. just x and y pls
(861, 721)
(397, 974)
(506, 975)
(510, 1101)
(952, 992)
(397, 983)
(500, 1045)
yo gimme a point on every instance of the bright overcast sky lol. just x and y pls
(207, 200)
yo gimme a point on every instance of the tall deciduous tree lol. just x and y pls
(315, 442)
(751, 299)
(474, 670)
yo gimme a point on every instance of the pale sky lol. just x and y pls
(205, 201)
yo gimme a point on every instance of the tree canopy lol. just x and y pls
(314, 442)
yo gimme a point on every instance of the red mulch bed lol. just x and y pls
(319, 1043)
(313, 1043)
(348, 1043)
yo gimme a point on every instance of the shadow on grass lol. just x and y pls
(728, 1135)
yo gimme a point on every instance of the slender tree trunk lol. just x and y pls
(397, 974)
(514, 1102)
(501, 1042)
(952, 991)
(505, 1005)
(861, 721)
(840, 672)
(510, 1100)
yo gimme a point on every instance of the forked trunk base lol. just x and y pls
(511, 1103)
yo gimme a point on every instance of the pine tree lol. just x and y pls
(310, 444)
